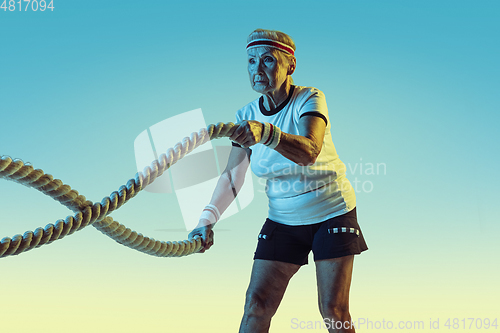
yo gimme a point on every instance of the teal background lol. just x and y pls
(411, 85)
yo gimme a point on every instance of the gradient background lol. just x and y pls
(410, 84)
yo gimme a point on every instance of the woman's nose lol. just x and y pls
(255, 70)
(259, 67)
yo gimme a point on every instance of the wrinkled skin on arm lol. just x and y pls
(302, 149)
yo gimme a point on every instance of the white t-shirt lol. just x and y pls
(300, 195)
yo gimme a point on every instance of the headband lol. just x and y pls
(271, 43)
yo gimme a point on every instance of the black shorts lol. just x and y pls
(336, 237)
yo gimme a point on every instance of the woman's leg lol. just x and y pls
(268, 283)
(334, 280)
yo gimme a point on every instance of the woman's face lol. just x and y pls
(267, 74)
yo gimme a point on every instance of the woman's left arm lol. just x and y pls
(302, 149)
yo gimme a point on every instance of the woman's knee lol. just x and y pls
(258, 303)
(335, 309)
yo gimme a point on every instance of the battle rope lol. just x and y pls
(96, 214)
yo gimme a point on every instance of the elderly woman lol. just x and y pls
(312, 206)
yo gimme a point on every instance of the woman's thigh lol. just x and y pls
(334, 281)
(270, 278)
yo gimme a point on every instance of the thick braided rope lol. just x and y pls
(96, 214)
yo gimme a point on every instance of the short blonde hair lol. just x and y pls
(271, 34)
(279, 37)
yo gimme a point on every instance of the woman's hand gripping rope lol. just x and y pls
(204, 230)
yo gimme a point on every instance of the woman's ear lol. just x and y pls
(291, 66)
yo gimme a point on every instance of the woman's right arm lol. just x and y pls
(228, 186)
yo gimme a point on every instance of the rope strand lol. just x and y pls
(96, 214)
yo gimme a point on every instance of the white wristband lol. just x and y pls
(214, 209)
(271, 136)
(265, 132)
(210, 213)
